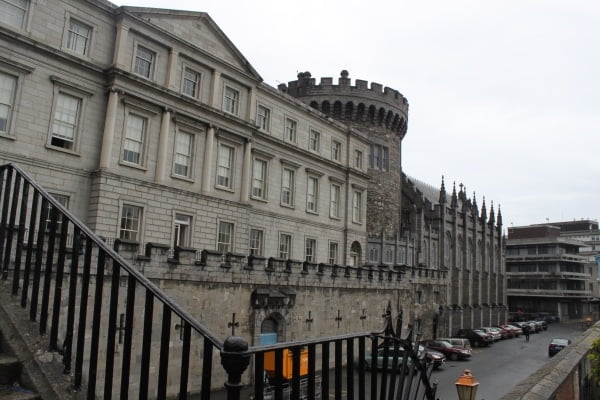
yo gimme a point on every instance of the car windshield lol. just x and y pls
(562, 342)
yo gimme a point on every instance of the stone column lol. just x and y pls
(207, 165)
(246, 171)
(215, 99)
(120, 44)
(109, 129)
(163, 145)
(172, 68)
(252, 106)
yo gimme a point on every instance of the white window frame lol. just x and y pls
(224, 242)
(196, 84)
(182, 230)
(333, 253)
(357, 212)
(288, 189)
(336, 151)
(290, 130)
(314, 140)
(139, 222)
(310, 249)
(225, 168)
(263, 118)
(6, 5)
(151, 63)
(285, 239)
(68, 43)
(358, 159)
(312, 194)
(130, 141)
(180, 155)
(231, 99)
(335, 191)
(61, 119)
(257, 241)
(259, 183)
(9, 103)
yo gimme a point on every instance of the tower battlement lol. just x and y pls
(374, 104)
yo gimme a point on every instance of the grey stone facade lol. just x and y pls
(150, 126)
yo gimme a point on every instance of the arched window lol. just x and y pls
(434, 255)
(448, 251)
(389, 256)
(349, 110)
(355, 254)
(459, 253)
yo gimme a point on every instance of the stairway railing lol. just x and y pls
(44, 248)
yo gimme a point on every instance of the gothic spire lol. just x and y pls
(443, 192)
(499, 218)
(492, 217)
(454, 201)
(483, 211)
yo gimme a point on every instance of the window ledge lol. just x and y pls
(287, 206)
(131, 165)
(182, 178)
(259, 199)
(62, 150)
(8, 136)
(224, 188)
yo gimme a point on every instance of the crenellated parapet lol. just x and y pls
(372, 105)
(232, 268)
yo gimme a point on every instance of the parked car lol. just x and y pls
(557, 345)
(428, 355)
(506, 333)
(518, 331)
(495, 333)
(459, 343)
(447, 349)
(477, 338)
(380, 356)
(534, 327)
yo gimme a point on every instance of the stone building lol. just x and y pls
(151, 127)
(546, 273)
(411, 223)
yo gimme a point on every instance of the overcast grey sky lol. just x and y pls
(504, 95)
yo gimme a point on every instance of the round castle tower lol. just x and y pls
(381, 114)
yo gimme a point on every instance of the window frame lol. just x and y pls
(198, 82)
(263, 121)
(264, 179)
(291, 129)
(290, 241)
(333, 260)
(314, 140)
(311, 256)
(312, 193)
(11, 109)
(261, 242)
(177, 230)
(153, 63)
(59, 94)
(27, 12)
(291, 188)
(357, 212)
(336, 150)
(230, 168)
(144, 142)
(358, 159)
(90, 40)
(234, 102)
(140, 221)
(190, 156)
(229, 245)
(336, 209)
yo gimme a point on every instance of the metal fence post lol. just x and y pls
(235, 359)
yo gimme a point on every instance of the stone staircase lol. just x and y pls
(13, 378)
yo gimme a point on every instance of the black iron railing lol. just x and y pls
(116, 329)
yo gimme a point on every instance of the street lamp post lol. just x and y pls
(466, 386)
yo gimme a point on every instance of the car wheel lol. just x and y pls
(453, 356)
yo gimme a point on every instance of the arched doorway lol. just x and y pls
(271, 330)
(355, 254)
